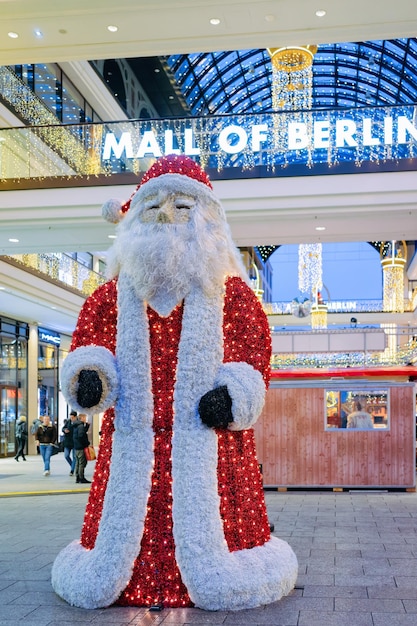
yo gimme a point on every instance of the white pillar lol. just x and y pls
(33, 408)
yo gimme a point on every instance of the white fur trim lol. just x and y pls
(93, 358)
(246, 387)
(216, 579)
(95, 578)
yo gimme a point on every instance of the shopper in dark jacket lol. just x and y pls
(68, 440)
(80, 439)
(21, 437)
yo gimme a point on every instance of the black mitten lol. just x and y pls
(215, 408)
(90, 388)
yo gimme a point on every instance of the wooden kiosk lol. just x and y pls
(303, 439)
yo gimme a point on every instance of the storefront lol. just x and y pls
(29, 379)
(13, 380)
(48, 362)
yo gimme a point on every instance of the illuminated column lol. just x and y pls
(33, 408)
(318, 309)
(393, 255)
(319, 316)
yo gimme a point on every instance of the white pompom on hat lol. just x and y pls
(113, 210)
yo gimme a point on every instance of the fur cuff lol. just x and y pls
(92, 358)
(247, 390)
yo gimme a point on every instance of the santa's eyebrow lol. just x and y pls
(185, 199)
(150, 200)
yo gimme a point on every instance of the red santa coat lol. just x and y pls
(195, 523)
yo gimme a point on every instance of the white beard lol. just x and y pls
(166, 261)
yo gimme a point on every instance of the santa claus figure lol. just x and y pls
(175, 349)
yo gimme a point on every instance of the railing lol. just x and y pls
(339, 306)
(229, 146)
(400, 348)
(61, 269)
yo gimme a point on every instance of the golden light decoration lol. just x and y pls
(292, 77)
(393, 255)
(319, 316)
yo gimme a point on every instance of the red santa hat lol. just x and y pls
(114, 210)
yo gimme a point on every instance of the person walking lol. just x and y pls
(46, 435)
(34, 429)
(21, 437)
(68, 441)
(80, 438)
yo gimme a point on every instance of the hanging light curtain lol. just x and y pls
(292, 90)
(310, 268)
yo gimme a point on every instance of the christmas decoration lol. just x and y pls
(178, 356)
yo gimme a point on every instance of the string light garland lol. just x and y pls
(48, 148)
(62, 269)
(266, 251)
(79, 150)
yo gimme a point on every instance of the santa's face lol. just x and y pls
(166, 207)
(173, 237)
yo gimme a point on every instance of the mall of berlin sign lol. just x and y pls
(305, 137)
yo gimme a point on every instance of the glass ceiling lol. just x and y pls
(344, 75)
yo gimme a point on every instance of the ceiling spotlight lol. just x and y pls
(13, 240)
(111, 236)
(320, 228)
(13, 35)
(38, 33)
(320, 13)
(112, 29)
(214, 21)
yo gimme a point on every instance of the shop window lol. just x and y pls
(357, 408)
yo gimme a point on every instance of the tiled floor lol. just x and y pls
(357, 556)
